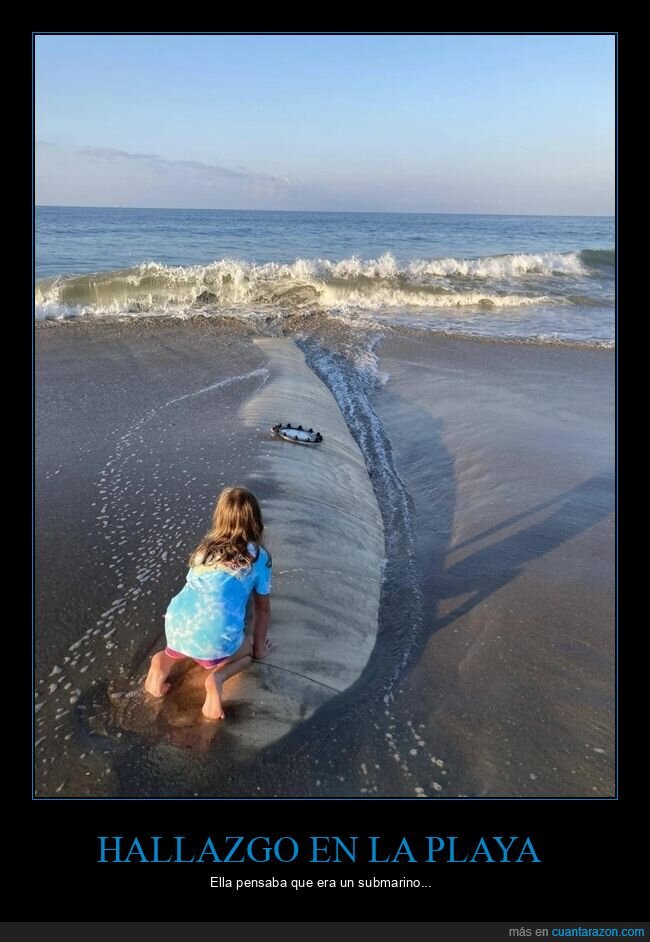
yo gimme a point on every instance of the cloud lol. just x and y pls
(209, 173)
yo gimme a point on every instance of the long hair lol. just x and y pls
(236, 522)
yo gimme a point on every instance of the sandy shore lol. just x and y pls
(506, 454)
(121, 478)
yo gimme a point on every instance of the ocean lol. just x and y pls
(535, 278)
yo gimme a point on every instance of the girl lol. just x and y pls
(206, 620)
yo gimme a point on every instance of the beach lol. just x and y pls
(487, 473)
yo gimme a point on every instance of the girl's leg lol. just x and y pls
(213, 707)
(161, 664)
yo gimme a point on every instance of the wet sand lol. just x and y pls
(505, 453)
(508, 453)
(130, 455)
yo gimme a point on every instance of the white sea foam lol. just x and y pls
(224, 382)
(234, 285)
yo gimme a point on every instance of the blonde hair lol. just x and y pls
(236, 522)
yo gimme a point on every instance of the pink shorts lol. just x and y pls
(212, 662)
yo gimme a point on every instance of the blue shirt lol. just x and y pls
(207, 618)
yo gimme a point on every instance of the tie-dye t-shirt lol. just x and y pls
(207, 618)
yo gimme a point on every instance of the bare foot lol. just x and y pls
(212, 708)
(155, 683)
(267, 648)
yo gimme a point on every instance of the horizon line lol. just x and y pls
(381, 212)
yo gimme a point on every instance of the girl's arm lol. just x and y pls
(262, 616)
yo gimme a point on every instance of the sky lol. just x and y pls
(418, 123)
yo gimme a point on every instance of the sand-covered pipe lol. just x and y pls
(325, 532)
(326, 535)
